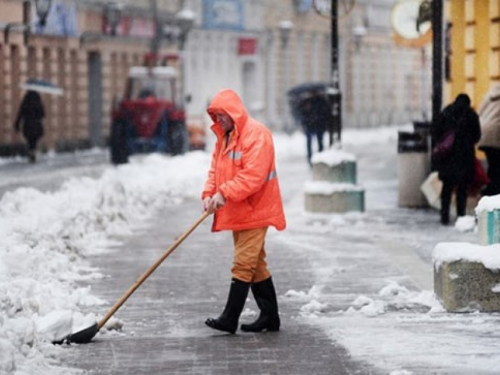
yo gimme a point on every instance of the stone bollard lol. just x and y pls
(488, 220)
(325, 197)
(467, 277)
(333, 189)
(334, 166)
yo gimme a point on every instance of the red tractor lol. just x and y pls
(150, 118)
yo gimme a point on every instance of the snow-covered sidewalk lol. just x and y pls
(372, 269)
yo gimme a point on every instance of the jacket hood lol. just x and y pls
(229, 102)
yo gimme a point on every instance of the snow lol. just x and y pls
(447, 252)
(488, 204)
(327, 188)
(332, 157)
(46, 238)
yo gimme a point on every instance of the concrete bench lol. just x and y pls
(327, 197)
(467, 277)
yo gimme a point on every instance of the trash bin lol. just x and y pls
(413, 168)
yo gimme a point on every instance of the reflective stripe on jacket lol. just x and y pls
(243, 171)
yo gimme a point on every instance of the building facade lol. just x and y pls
(259, 48)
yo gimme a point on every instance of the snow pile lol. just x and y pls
(46, 237)
(465, 223)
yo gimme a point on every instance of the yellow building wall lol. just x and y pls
(475, 48)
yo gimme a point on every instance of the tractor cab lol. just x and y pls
(150, 118)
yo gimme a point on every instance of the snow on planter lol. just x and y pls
(467, 277)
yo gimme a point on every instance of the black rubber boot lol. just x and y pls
(269, 319)
(228, 320)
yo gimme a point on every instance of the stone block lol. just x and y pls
(325, 197)
(345, 171)
(467, 277)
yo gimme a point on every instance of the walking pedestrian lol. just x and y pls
(29, 118)
(315, 116)
(243, 193)
(489, 116)
(459, 124)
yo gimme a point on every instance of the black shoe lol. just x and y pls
(228, 320)
(269, 319)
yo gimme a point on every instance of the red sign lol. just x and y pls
(247, 46)
(138, 27)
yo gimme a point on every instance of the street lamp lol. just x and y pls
(285, 28)
(42, 8)
(113, 12)
(185, 21)
(358, 32)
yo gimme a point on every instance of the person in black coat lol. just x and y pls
(29, 118)
(456, 170)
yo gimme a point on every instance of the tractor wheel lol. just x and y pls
(178, 138)
(118, 143)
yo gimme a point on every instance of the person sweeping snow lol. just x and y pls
(243, 193)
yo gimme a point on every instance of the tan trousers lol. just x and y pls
(249, 262)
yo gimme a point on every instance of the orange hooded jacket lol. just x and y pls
(244, 171)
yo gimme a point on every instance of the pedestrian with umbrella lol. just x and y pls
(30, 120)
(31, 112)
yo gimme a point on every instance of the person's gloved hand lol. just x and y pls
(206, 204)
(213, 203)
(217, 201)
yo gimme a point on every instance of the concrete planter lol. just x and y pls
(345, 171)
(488, 225)
(466, 277)
(325, 197)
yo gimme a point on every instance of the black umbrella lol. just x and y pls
(305, 89)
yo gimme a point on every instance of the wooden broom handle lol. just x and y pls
(150, 270)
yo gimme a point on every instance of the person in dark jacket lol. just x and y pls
(315, 115)
(456, 170)
(489, 115)
(29, 118)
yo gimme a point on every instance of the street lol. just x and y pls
(355, 290)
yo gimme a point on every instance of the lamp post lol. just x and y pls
(335, 91)
(42, 8)
(185, 22)
(285, 28)
(113, 12)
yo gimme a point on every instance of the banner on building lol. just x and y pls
(62, 19)
(223, 14)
